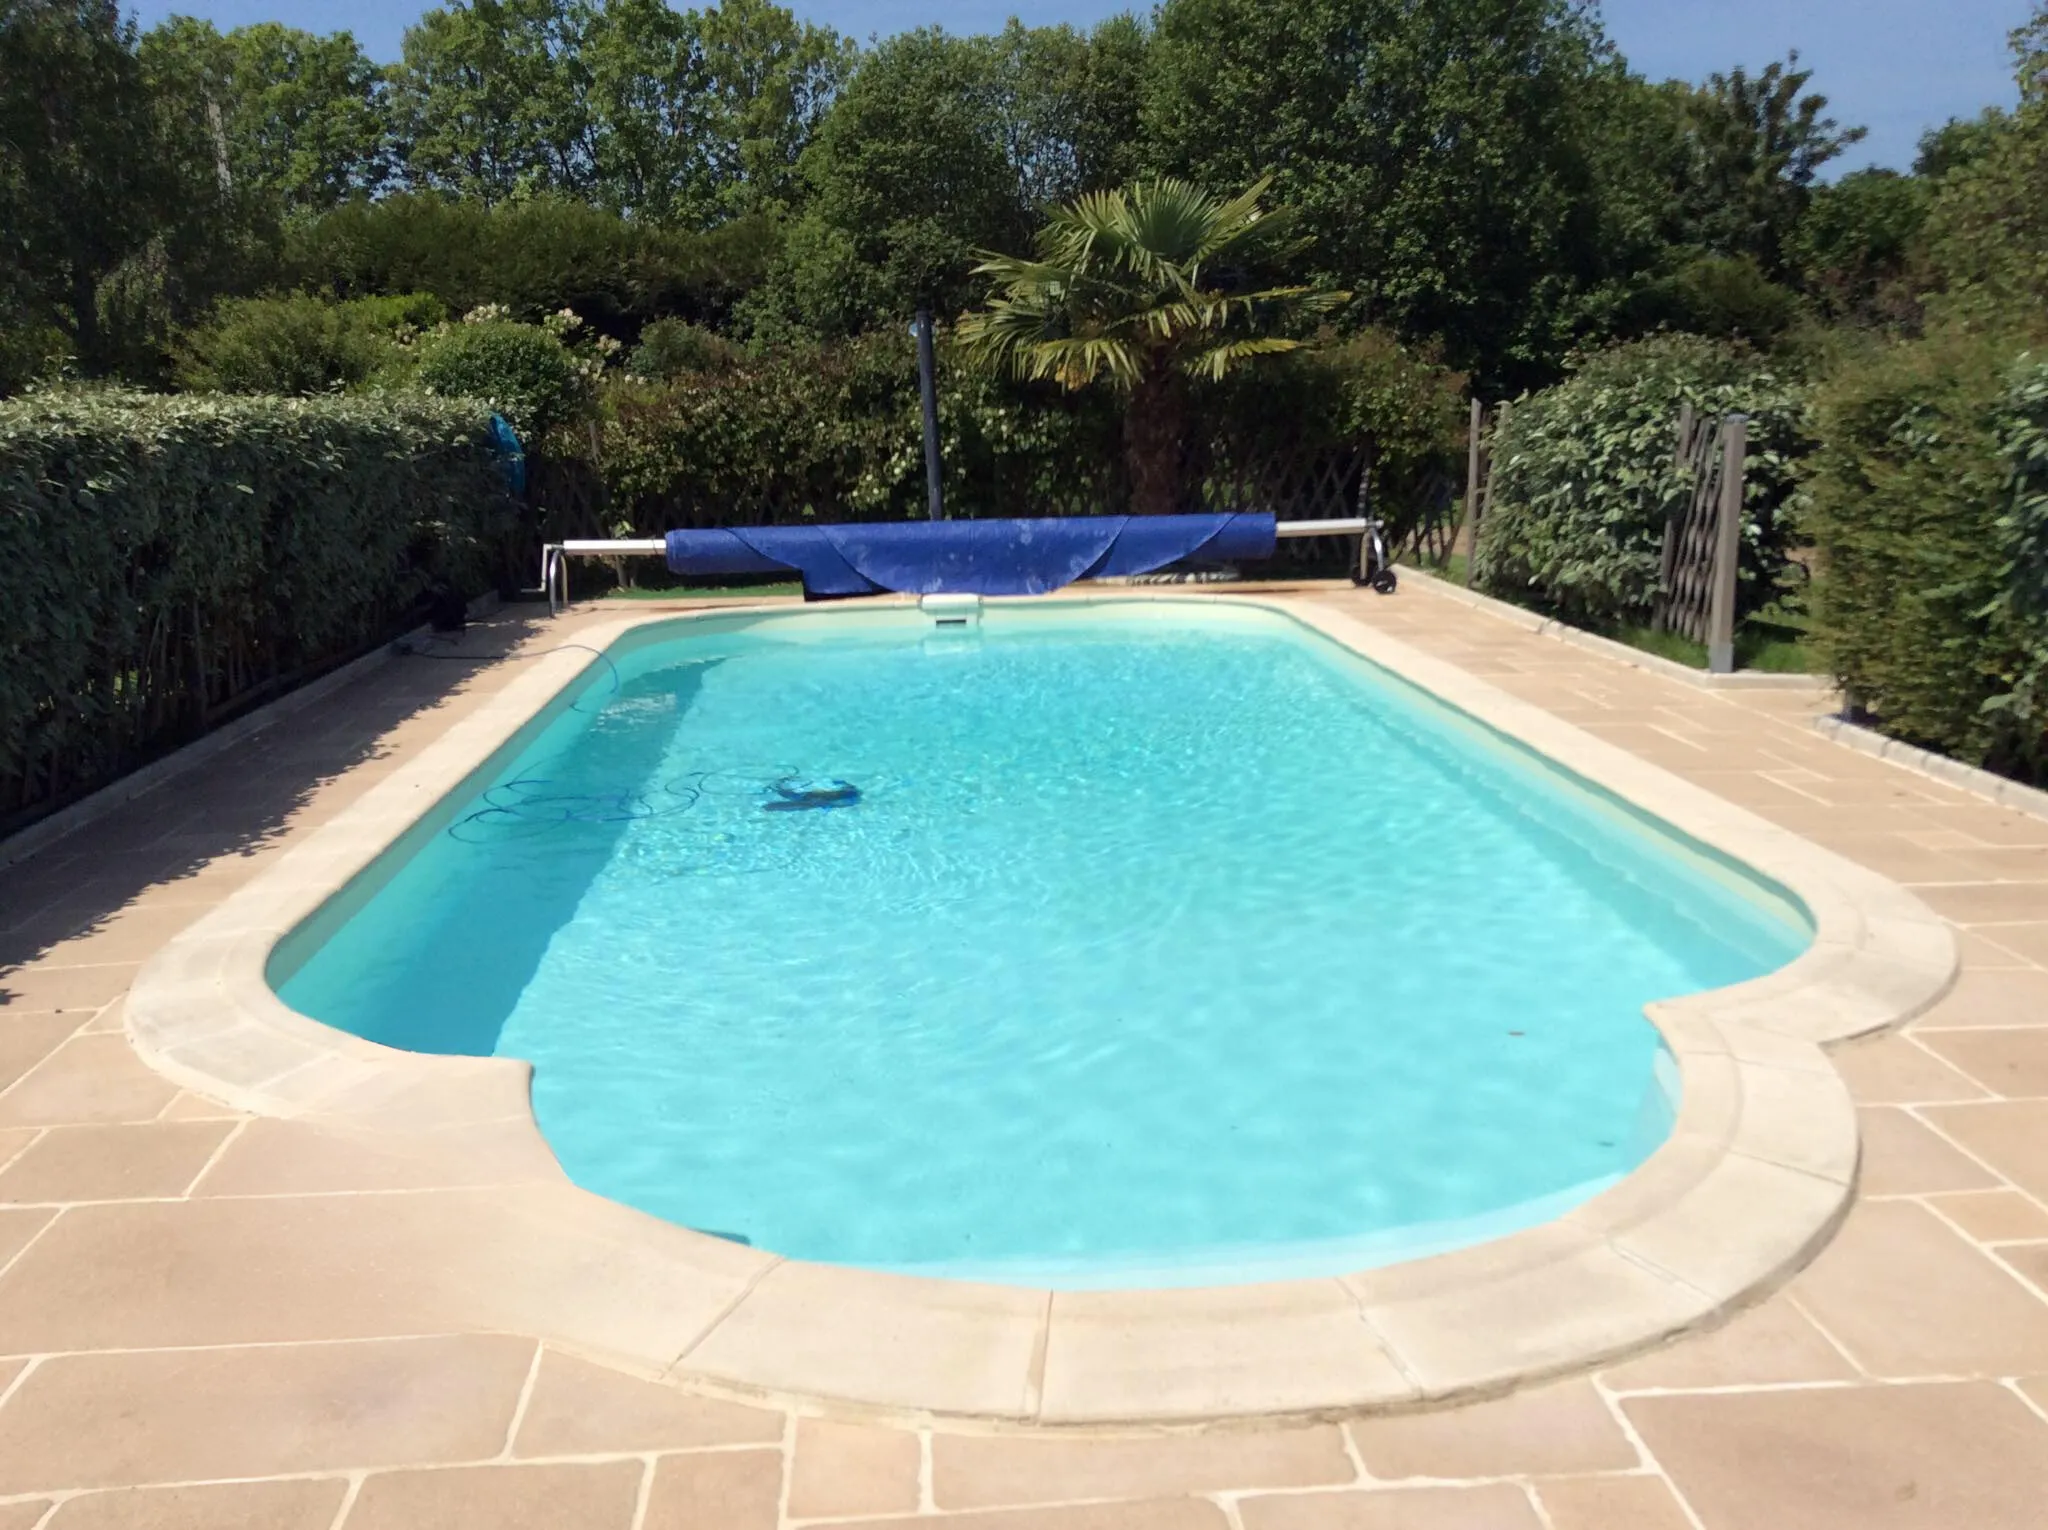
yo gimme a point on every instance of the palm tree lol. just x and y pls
(1144, 288)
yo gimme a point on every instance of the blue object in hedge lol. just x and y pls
(511, 455)
(992, 557)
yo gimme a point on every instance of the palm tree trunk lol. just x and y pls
(1154, 422)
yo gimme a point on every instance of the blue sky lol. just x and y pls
(1896, 66)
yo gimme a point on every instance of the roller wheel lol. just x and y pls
(1384, 581)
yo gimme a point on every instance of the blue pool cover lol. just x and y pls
(992, 557)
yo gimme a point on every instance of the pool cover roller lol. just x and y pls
(975, 557)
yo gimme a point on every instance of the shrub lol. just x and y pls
(1585, 478)
(165, 559)
(297, 344)
(672, 348)
(523, 371)
(1927, 514)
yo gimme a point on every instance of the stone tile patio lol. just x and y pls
(208, 1321)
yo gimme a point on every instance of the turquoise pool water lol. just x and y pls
(1163, 945)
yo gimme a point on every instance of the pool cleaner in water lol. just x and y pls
(794, 795)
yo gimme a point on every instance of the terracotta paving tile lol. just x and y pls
(1549, 1431)
(2010, 1135)
(1611, 1503)
(1943, 1456)
(1907, 1295)
(1894, 1071)
(65, 988)
(26, 1039)
(106, 1163)
(1994, 1216)
(971, 1472)
(1985, 996)
(1153, 1514)
(196, 1414)
(841, 1470)
(2010, 1063)
(716, 1490)
(1903, 1157)
(87, 1079)
(601, 1496)
(582, 1409)
(1494, 1507)
(1769, 1345)
(305, 1504)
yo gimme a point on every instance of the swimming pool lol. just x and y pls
(1164, 944)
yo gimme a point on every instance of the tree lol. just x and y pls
(1853, 246)
(1439, 151)
(1144, 289)
(80, 184)
(297, 119)
(1757, 144)
(938, 146)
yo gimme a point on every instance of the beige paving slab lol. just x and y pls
(1611, 1503)
(128, 935)
(276, 1157)
(594, 1496)
(1545, 1431)
(105, 1163)
(1768, 1345)
(65, 989)
(196, 1414)
(1896, 1070)
(1989, 996)
(2008, 1063)
(26, 1039)
(1212, 1353)
(1151, 1514)
(1907, 1295)
(1903, 1157)
(23, 1514)
(1944, 1456)
(1492, 1507)
(970, 1472)
(2009, 1135)
(302, 1504)
(86, 1079)
(2027, 940)
(840, 1470)
(725, 1489)
(577, 1408)
(1995, 1216)
(2030, 1260)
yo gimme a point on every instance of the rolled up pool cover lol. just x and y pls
(993, 557)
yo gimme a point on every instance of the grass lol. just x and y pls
(709, 591)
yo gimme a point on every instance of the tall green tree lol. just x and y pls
(81, 186)
(1145, 289)
(1439, 150)
(939, 146)
(293, 117)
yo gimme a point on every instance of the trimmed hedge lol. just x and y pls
(1585, 477)
(1930, 513)
(164, 561)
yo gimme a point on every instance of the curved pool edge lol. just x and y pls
(1758, 1171)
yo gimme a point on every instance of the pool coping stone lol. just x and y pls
(1757, 1173)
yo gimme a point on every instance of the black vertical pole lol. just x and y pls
(929, 388)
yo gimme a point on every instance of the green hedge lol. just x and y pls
(165, 560)
(1585, 477)
(1930, 513)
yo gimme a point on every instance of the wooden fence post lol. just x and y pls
(1727, 546)
(1472, 486)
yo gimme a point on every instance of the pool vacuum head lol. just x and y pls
(795, 796)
